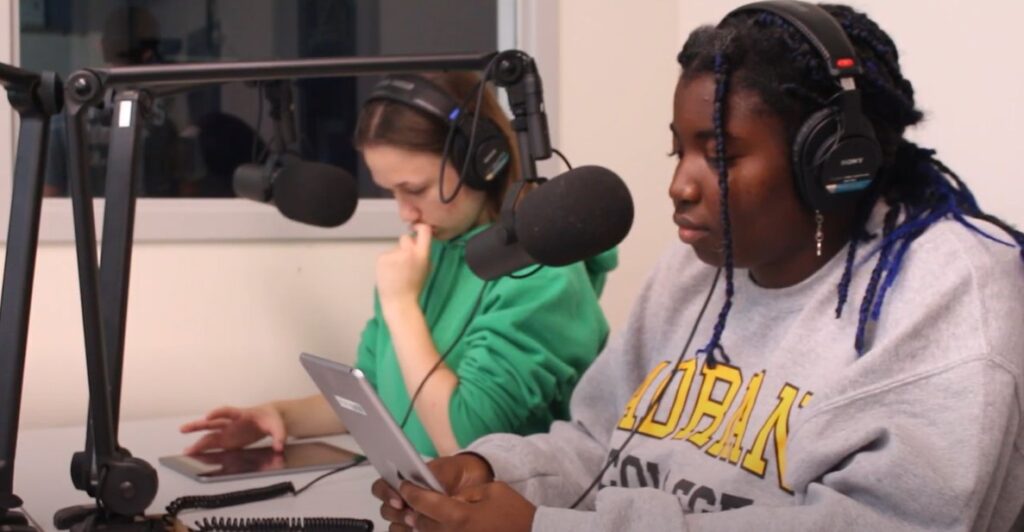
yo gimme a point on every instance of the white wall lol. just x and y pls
(618, 72)
(207, 324)
(224, 322)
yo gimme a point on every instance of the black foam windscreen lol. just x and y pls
(585, 211)
(490, 256)
(315, 193)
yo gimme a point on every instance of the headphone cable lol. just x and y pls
(458, 337)
(562, 157)
(453, 125)
(656, 401)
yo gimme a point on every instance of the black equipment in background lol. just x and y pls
(835, 153)
(577, 215)
(308, 192)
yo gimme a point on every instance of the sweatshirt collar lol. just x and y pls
(460, 241)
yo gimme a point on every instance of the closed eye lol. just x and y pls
(715, 161)
(412, 190)
(676, 151)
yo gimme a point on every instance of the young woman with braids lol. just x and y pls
(863, 371)
(501, 356)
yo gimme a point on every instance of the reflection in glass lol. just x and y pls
(192, 141)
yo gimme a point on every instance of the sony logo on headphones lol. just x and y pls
(851, 161)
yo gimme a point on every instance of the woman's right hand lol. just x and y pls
(233, 428)
(456, 474)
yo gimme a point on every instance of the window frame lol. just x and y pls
(529, 25)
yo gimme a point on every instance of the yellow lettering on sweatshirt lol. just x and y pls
(629, 418)
(777, 424)
(707, 406)
(659, 429)
(730, 444)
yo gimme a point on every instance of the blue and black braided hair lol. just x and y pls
(763, 53)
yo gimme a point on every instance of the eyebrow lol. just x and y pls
(709, 134)
(409, 186)
(703, 135)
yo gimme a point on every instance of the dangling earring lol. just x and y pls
(819, 234)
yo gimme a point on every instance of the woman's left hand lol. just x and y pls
(402, 271)
(491, 507)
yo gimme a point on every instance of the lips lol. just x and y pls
(685, 222)
(690, 231)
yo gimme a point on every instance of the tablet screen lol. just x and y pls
(259, 461)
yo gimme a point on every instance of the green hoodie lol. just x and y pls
(522, 352)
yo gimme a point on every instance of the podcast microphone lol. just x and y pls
(307, 192)
(583, 212)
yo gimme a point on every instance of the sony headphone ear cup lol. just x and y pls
(814, 142)
(488, 157)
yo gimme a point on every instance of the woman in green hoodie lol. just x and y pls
(479, 357)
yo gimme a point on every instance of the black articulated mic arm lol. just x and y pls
(570, 218)
(124, 486)
(36, 97)
(517, 73)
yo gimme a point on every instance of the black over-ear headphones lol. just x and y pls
(835, 153)
(489, 156)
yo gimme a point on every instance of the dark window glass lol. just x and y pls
(192, 142)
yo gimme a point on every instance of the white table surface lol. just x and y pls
(42, 477)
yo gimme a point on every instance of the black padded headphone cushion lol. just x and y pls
(817, 136)
(488, 161)
(835, 159)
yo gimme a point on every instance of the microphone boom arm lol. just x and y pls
(36, 97)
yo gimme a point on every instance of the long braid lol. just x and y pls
(858, 235)
(843, 288)
(948, 201)
(1017, 236)
(721, 88)
(923, 185)
(876, 274)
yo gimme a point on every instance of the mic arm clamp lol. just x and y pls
(516, 72)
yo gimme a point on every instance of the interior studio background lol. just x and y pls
(223, 320)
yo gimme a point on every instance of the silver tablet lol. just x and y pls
(253, 462)
(365, 417)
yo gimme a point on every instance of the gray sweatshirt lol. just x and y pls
(797, 432)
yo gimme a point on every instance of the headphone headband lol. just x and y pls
(819, 27)
(417, 92)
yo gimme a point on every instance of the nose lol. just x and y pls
(685, 185)
(407, 211)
